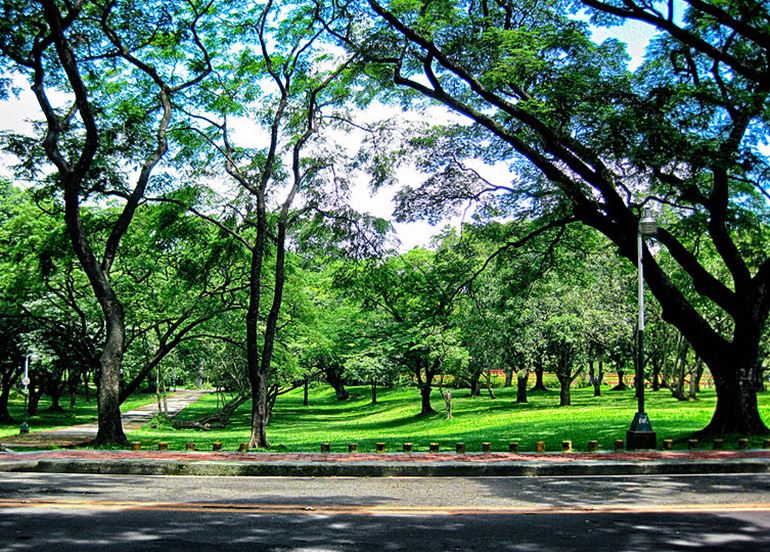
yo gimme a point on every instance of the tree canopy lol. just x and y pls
(192, 168)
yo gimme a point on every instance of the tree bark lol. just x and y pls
(621, 386)
(598, 380)
(447, 402)
(539, 369)
(737, 411)
(508, 377)
(33, 400)
(521, 386)
(5, 414)
(111, 361)
(333, 375)
(760, 381)
(55, 387)
(425, 391)
(257, 381)
(476, 384)
(86, 388)
(9, 373)
(490, 391)
(656, 369)
(73, 378)
(565, 398)
(374, 390)
(695, 378)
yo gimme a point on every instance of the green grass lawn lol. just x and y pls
(83, 413)
(394, 420)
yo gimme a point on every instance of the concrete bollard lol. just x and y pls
(433, 447)
(668, 444)
(486, 447)
(619, 444)
(216, 446)
(136, 445)
(513, 446)
(379, 447)
(718, 444)
(743, 443)
(189, 446)
(352, 447)
(326, 447)
(566, 446)
(692, 444)
(593, 445)
(540, 446)
(407, 447)
(243, 447)
(460, 448)
(162, 445)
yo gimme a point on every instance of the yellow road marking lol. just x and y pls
(371, 510)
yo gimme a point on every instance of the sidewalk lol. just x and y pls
(83, 434)
(386, 464)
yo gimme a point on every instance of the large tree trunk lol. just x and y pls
(598, 380)
(695, 379)
(333, 375)
(5, 414)
(9, 374)
(108, 391)
(490, 391)
(259, 414)
(508, 377)
(55, 390)
(539, 369)
(55, 404)
(737, 411)
(258, 437)
(425, 391)
(374, 390)
(522, 378)
(657, 368)
(73, 378)
(264, 404)
(476, 384)
(565, 383)
(35, 393)
(621, 386)
(447, 402)
(760, 381)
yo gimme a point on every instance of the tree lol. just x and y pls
(277, 72)
(91, 52)
(588, 139)
(417, 291)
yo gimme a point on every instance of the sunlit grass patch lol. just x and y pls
(395, 419)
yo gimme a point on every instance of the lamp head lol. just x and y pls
(647, 225)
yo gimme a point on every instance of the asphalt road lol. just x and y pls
(97, 512)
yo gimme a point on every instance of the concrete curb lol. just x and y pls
(388, 469)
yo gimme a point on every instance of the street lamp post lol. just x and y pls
(641, 435)
(25, 381)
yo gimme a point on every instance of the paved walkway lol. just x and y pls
(83, 434)
(148, 462)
